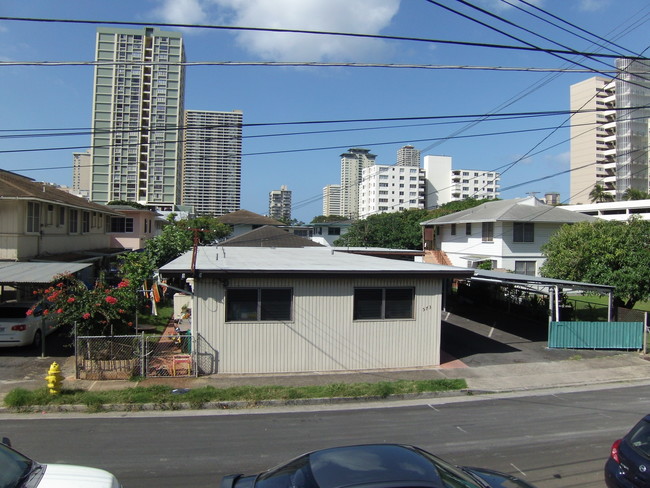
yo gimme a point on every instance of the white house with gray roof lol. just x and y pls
(508, 233)
(294, 310)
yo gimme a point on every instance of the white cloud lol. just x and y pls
(182, 12)
(594, 5)
(358, 16)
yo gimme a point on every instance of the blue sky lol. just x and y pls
(40, 97)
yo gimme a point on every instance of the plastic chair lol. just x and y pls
(185, 363)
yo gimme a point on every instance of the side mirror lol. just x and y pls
(6, 441)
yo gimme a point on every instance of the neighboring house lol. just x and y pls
(622, 210)
(243, 221)
(38, 221)
(507, 233)
(294, 310)
(269, 236)
(327, 232)
(134, 228)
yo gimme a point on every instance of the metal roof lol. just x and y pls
(265, 260)
(22, 272)
(518, 279)
(516, 210)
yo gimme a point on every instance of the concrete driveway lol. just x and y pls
(22, 365)
(486, 337)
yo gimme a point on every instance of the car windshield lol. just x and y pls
(639, 437)
(358, 465)
(13, 467)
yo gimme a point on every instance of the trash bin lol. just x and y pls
(186, 341)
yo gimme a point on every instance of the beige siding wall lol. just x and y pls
(322, 335)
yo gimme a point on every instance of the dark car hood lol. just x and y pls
(497, 479)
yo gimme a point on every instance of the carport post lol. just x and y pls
(43, 336)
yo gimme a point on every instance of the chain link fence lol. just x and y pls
(125, 357)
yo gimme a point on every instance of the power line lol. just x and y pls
(304, 31)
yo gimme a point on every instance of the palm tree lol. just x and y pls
(634, 194)
(600, 195)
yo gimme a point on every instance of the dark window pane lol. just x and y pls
(276, 304)
(367, 303)
(399, 303)
(241, 304)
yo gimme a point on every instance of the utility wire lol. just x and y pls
(303, 31)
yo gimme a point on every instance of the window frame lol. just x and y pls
(33, 224)
(526, 264)
(233, 316)
(523, 232)
(384, 313)
(487, 231)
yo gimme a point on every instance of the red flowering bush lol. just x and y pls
(101, 310)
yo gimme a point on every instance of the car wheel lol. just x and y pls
(38, 340)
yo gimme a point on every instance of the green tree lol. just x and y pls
(208, 228)
(398, 230)
(603, 252)
(127, 203)
(634, 194)
(599, 195)
(320, 219)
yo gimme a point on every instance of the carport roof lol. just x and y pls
(520, 279)
(26, 272)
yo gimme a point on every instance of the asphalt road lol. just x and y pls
(552, 440)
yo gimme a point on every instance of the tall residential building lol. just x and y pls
(609, 136)
(212, 161)
(386, 189)
(81, 173)
(593, 138)
(633, 113)
(444, 184)
(280, 204)
(137, 113)
(332, 200)
(352, 164)
(408, 156)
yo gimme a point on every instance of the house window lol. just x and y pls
(258, 304)
(33, 217)
(525, 267)
(487, 231)
(383, 303)
(85, 222)
(468, 229)
(334, 231)
(73, 223)
(50, 215)
(61, 216)
(453, 229)
(121, 225)
(523, 232)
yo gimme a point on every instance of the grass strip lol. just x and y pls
(20, 398)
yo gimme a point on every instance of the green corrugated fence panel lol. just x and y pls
(596, 335)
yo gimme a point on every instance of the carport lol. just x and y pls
(18, 275)
(547, 286)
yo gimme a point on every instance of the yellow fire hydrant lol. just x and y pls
(54, 379)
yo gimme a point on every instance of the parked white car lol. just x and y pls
(17, 470)
(17, 328)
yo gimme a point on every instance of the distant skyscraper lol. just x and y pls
(81, 173)
(280, 204)
(352, 164)
(212, 161)
(332, 200)
(609, 134)
(408, 156)
(137, 111)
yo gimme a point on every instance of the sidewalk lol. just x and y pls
(628, 367)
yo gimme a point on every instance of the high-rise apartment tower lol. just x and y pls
(280, 204)
(408, 156)
(136, 117)
(352, 164)
(609, 132)
(332, 200)
(212, 161)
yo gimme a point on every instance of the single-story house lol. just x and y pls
(507, 233)
(293, 310)
(242, 221)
